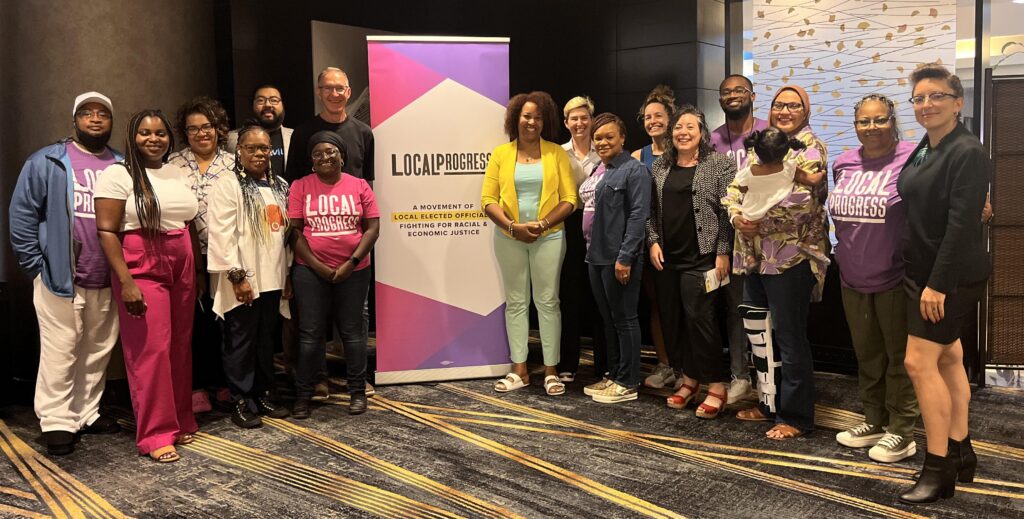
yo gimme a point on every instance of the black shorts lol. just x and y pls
(958, 307)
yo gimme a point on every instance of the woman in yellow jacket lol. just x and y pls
(528, 191)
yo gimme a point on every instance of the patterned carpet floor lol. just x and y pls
(459, 449)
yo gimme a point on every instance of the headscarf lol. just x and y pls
(330, 138)
(804, 98)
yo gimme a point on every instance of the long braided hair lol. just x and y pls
(147, 205)
(254, 206)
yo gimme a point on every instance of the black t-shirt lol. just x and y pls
(277, 152)
(358, 140)
(682, 250)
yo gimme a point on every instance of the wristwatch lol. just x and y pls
(355, 260)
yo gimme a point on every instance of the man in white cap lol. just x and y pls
(53, 233)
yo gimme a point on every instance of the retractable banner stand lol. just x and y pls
(437, 108)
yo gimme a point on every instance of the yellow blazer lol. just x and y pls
(500, 186)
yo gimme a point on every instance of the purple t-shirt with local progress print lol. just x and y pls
(869, 219)
(731, 145)
(91, 267)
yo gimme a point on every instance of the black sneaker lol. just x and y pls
(266, 407)
(300, 410)
(243, 417)
(59, 443)
(102, 425)
(357, 403)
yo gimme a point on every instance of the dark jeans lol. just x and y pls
(788, 299)
(249, 338)
(577, 302)
(321, 303)
(690, 324)
(207, 341)
(617, 304)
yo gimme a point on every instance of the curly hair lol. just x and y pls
(213, 111)
(772, 144)
(703, 147)
(548, 111)
(660, 94)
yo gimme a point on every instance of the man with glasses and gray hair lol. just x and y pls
(333, 91)
(53, 233)
(268, 111)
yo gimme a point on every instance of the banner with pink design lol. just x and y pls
(437, 108)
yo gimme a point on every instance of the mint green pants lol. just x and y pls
(523, 266)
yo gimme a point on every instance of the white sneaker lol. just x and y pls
(863, 435)
(597, 386)
(739, 389)
(661, 376)
(892, 448)
(614, 394)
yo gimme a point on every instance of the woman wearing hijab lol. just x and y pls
(785, 275)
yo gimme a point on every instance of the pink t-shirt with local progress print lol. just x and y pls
(333, 216)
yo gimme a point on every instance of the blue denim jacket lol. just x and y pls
(42, 217)
(621, 205)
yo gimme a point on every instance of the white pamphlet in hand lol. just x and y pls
(711, 282)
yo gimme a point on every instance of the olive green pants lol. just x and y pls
(878, 325)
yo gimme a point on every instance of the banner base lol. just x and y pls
(382, 378)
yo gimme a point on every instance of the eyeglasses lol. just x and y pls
(253, 148)
(877, 121)
(192, 131)
(739, 91)
(936, 97)
(330, 152)
(99, 114)
(793, 107)
(273, 101)
(333, 89)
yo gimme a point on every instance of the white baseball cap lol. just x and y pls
(92, 97)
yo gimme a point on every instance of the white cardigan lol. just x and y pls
(232, 245)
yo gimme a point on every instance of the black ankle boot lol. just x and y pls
(938, 479)
(965, 462)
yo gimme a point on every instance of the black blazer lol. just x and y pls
(944, 247)
(714, 174)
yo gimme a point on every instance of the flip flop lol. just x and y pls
(511, 382)
(787, 431)
(553, 386)
(165, 454)
(753, 414)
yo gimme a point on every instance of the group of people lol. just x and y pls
(726, 231)
(200, 260)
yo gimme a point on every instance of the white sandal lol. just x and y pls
(553, 386)
(511, 382)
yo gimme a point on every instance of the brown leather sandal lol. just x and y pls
(786, 431)
(165, 454)
(752, 414)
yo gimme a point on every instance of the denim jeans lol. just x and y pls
(321, 303)
(617, 304)
(788, 299)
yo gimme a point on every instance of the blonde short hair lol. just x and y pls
(578, 102)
